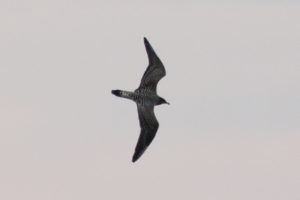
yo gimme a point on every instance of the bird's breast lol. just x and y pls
(144, 97)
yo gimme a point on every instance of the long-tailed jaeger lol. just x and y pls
(146, 98)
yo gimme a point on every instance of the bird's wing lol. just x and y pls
(149, 126)
(155, 70)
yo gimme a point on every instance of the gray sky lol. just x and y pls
(233, 132)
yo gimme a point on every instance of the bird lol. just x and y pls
(146, 98)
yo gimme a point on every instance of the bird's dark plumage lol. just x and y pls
(155, 70)
(146, 98)
(116, 92)
(149, 126)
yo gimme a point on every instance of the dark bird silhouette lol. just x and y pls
(146, 98)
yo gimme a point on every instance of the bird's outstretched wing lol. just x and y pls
(155, 70)
(149, 126)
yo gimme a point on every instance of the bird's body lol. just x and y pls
(146, 98)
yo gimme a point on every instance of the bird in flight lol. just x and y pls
(146, 98)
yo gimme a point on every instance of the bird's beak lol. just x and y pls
(168, 103)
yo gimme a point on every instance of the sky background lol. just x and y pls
(232, 130)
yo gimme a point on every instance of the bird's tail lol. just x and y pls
(124, 94)
(117, 92)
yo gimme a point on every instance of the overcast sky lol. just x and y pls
(232, 130)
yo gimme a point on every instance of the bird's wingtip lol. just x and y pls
(137, 155)
(134, 158)
(145, 40)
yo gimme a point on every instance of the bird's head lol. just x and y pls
(162, 101)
